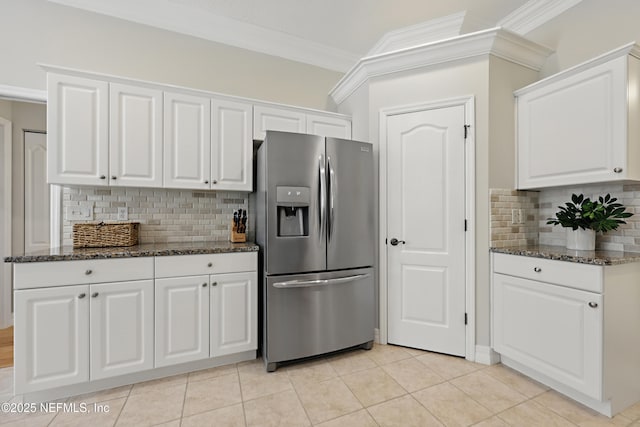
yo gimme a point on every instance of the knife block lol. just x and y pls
(235, 236)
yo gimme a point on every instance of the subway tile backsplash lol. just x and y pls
(504, 232)
(165, 215)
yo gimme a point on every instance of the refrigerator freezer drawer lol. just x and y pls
(311, 314)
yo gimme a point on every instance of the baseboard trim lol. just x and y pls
(376, 335)
(486, 356)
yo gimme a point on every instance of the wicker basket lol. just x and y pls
(101, 234)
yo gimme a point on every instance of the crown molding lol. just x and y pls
(16, 93)
(494, 41)
(535, 13)
(631, 49)
(197, 22)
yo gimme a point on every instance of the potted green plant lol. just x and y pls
(583, 217)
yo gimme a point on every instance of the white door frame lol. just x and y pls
(6, 319)
(470, 189)
(21, 94)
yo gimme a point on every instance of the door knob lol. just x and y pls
(593, 304)
(394, 242)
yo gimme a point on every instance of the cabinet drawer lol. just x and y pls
(60, 273)
(574, 275)
(191, 265)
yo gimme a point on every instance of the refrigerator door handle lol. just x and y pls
(323, 192)
(319, 282)
(332, 190)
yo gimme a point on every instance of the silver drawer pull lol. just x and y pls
(210, 264)
(537, 269)
(214, 284)
(94, 295)
(88, 272)
(204, 285)
(82, 295)
(319, 282)
(593, 304)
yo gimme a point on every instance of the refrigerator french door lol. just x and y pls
(315, 227)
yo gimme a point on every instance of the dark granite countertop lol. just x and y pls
(68, 253)
(561, 253)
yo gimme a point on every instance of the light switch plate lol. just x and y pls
(123, 214)
(83, 213)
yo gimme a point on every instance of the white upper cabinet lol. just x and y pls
(335, 127)
(78, 130)
(580, 126)
(135, 154)
(187, 141)
(270, 118)
(231, 145)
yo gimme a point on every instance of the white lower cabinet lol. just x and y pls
(234, 312)
(72, 334)
(571, 326)
(51, 332)
(205, 316)
(182, 319)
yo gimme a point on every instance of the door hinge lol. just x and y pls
(466, 130)
(465, 225)
(465, 318)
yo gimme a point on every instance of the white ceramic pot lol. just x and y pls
(581, 240)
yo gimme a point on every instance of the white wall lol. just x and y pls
(590, 28)
(37, 31)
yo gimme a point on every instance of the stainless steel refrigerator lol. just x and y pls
(315, 229)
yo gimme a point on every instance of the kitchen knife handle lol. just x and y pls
(323, 191)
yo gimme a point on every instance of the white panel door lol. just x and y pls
(334, 127)
(135, 151)
(270, 118)
(78, 130)
(554, 330)
(231, 145)
(234, 311)
(51, 337)
(181, 319)
(426, 214)
(36, 192)
(187, 141)
(121, 319)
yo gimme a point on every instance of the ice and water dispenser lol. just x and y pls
(293, 211)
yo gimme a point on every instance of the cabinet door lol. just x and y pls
(269, 118)
(51, 337)
(182, 319)
(135, 151)
(574, 131)
(231, 146)
(77, 130)
(187, 141)
(234, 313)
(334, 127)
(121, 322)
(551, 329)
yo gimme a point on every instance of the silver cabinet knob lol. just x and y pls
(593, 304)
(94, 295)
(214, 284)
(210, 264)
(88, 272)
(103, 177)
(113, 177)
(617, 170)
(204, 285)
(206, 181)
(215, 181)
(537, 269)
(82, 295)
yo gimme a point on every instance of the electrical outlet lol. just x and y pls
(84, 213)
(123, 214)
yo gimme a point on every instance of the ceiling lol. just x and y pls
(332, 34)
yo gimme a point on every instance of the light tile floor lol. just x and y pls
(387, 386)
